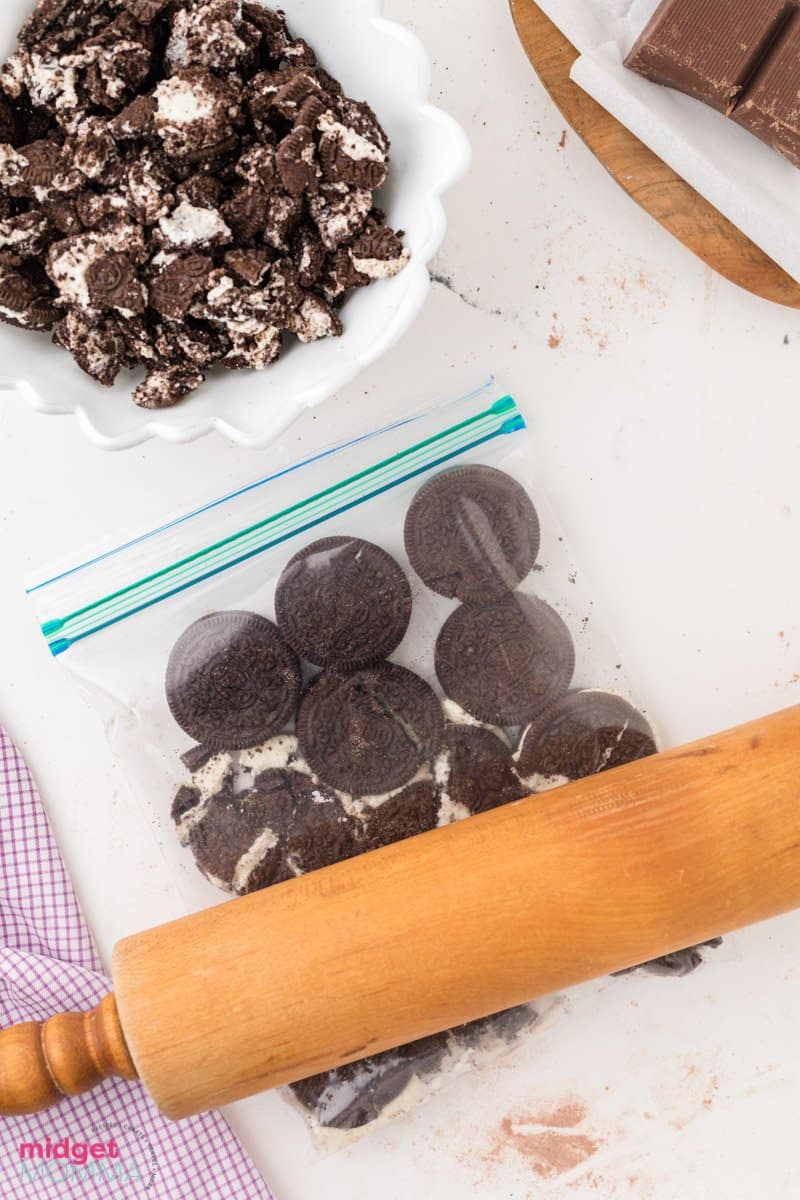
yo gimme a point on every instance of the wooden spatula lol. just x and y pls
(437, 930)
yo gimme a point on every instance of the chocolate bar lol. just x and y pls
(770, 108)
(709, 49)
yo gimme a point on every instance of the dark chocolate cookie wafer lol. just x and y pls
(505, 662)
(312, 830)
(412, 811)
(357, 1093)
(231, 826)
(678, 963)
(232, 681)
(285, 825)
(505, 1025)
(480, 769)
(472, 533)
(343, 603)
(369, 733)
(584, 733)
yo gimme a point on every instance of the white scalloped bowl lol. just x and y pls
(375, 60)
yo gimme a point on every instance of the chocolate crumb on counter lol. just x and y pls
(182, 185)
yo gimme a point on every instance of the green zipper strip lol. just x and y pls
(61, 632)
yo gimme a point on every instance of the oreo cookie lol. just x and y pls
(412, 811)
(229, 829)
(506, 662)
(343, 603)
(472, 534)
(357, 1093)
(479, 769)
(677, 964)
(584, 733)
(310, 827)
(505, 1025)
(232, 681)
(370, 732)
(284, 825)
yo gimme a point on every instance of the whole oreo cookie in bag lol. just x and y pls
(370, 732)
(232, 681)
(343, 603)
(506, 662)
(472, 533)
(584, 733)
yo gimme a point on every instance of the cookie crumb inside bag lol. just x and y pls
(383, 638)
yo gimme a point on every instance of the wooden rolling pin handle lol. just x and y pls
(71, 1053)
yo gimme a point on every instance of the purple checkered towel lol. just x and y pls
(113, 1142)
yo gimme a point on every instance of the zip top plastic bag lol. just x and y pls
(384, 637)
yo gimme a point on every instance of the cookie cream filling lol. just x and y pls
(265, 842)
(180, 103)
(208, 782)
(380, 268)
(221, 38)
(543, 783)
(221, 290)
(48, 82)
(454, 714)
(12, 164)
(10, 235)
(449, 810)
(106, 60)
(259, 348)
(12, 76)
(353, 144)
(337, 219)
(15, 317)
(315, 321)
(192, 226)
(364, 803)
(275, 755)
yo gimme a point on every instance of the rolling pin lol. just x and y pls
(441, 929)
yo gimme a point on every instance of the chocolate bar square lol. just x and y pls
(709, 49)
(770, 108)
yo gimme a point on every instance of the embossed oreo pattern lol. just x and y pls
(369, 733)
(505, 662)
(586, 732)
(343, 603)
(472, 533)
(232, 681)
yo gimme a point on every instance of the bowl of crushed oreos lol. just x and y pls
(213, 214)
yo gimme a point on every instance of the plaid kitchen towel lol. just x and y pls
(112, 1142)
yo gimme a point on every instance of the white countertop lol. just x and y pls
(663, 404)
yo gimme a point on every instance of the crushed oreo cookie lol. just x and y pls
(402, 815)
(182, 166)
(583, 734)
(476, 770)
